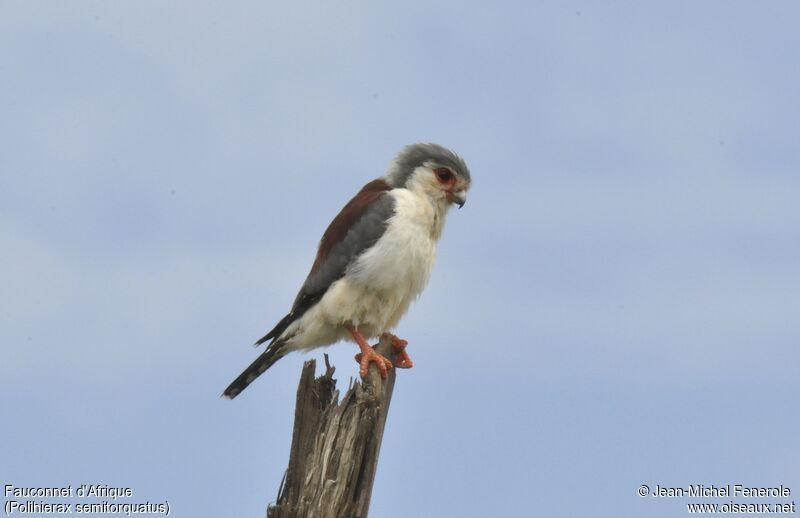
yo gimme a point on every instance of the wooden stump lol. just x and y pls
(335, 445)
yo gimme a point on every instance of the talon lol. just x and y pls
(397, 342)
(364, 358)
(402, 360)
(368, 355)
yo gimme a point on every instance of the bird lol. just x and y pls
(373, 260)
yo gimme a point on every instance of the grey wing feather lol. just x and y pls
(361, 236)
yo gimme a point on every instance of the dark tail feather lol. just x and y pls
(278, 329)
(273, 353)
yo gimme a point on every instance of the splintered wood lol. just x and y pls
(335, 445)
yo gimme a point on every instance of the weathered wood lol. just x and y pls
(335, 445)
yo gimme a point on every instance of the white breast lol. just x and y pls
(378, 288)
(401, 262)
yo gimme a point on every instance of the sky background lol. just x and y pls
(617, 304)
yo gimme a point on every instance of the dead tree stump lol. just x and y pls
(335, 445)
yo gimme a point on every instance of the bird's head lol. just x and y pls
(432, 169)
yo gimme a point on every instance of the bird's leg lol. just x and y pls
(401, 358)
(368, 354)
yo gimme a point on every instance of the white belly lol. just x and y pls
(378, 288)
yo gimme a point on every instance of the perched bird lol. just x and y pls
(374, 258)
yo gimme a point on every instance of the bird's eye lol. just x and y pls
(444, 174)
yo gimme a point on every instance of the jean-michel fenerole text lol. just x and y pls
(722, 491)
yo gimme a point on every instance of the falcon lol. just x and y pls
(373, 260)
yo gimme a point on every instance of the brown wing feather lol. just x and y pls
(318, 281)
(351, 213)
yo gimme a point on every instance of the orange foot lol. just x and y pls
(402, 360)
(368, 355)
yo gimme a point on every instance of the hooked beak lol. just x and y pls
(459, 198)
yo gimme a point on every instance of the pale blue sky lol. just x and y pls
(617, 304)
